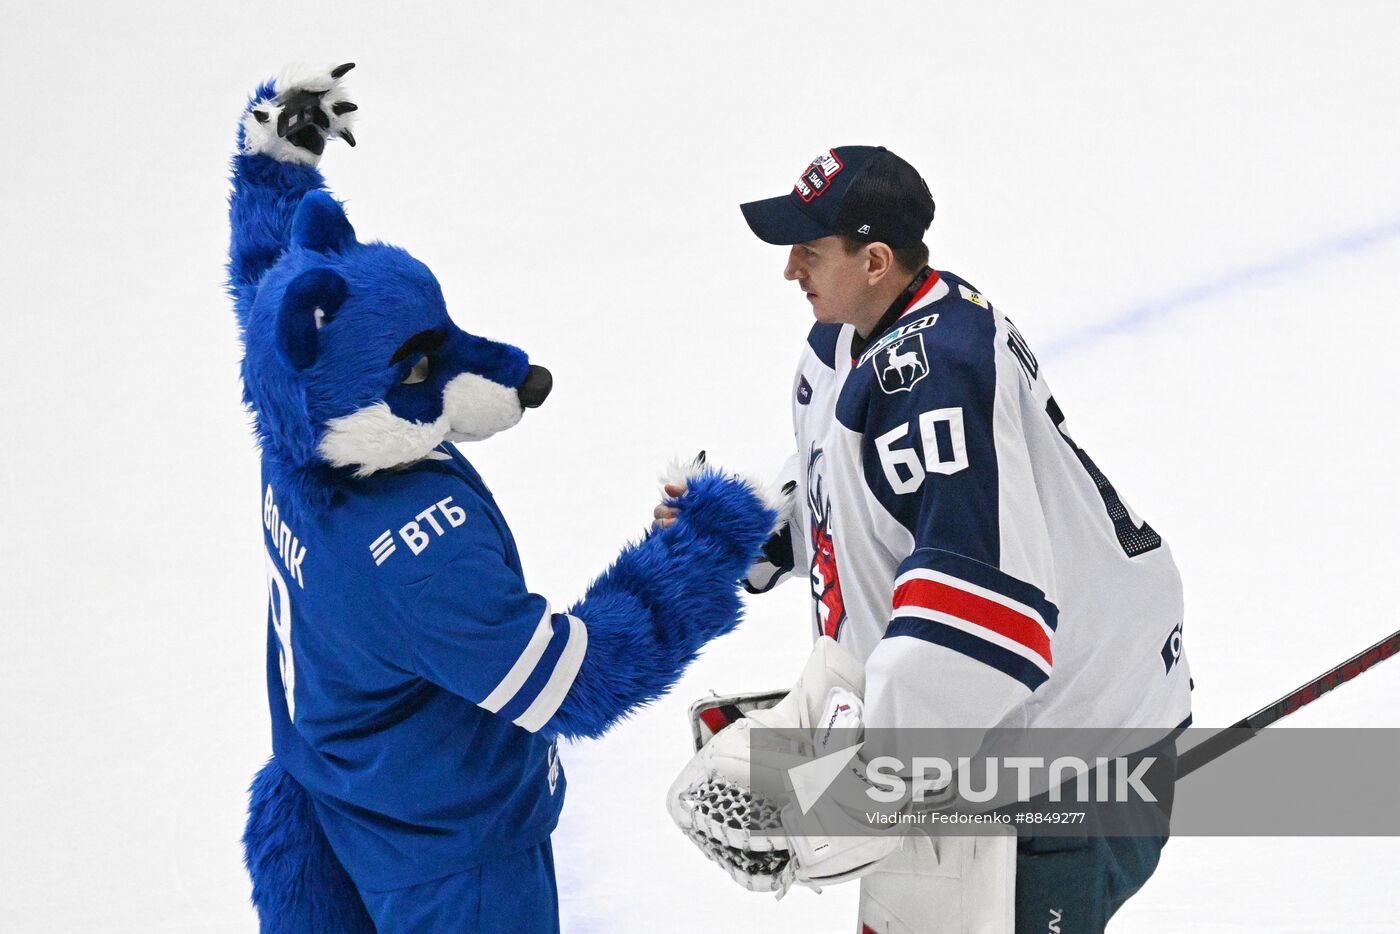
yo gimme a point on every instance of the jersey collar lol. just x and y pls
(917, 293)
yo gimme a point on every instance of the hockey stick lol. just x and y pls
(1244, 730)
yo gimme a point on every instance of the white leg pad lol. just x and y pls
(944, 885)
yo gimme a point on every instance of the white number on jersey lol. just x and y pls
(902, 466)
(280, 607)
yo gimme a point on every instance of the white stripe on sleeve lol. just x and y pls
(553, 693)
(523, 666)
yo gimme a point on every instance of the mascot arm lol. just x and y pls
(665, 597)
(478, 631)
(281, 135)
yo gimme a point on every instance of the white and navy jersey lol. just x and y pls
(960, 541)
(410, 671)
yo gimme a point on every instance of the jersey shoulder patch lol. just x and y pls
(939, 355)
(960, 288)
(402, 527)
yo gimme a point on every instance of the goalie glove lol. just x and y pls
(766, 845)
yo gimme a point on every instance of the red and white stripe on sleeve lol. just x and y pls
(976, 610)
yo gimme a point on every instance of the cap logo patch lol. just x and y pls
(818, 176)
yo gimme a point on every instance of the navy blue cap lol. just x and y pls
(865, 192)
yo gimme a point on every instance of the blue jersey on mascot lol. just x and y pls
(417, 686)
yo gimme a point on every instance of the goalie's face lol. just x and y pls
(830, 278)
(843, 285)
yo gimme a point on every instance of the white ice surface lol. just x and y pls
(1191, 210)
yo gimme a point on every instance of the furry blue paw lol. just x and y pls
(291, 117)
(731, 508)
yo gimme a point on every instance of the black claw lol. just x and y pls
(344, 107)
(282, 123)
(260, 116)
(346, 135)
(789, 487)
(700, 459)
(339, 70)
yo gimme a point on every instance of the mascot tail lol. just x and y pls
(299, 887)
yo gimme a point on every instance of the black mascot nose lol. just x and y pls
(536, 387)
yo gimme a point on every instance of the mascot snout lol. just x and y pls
(536, 387)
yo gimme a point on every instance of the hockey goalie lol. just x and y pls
(974, 564)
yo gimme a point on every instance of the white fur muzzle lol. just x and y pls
(476, 408)
(374, 438)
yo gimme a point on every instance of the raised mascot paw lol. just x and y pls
(291, 117)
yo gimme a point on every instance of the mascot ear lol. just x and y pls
(309, 304)
(320, 224)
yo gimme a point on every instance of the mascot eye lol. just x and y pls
(418, 373)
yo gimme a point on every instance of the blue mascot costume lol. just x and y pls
(417, 686)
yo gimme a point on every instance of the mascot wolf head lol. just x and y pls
(352, 364)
